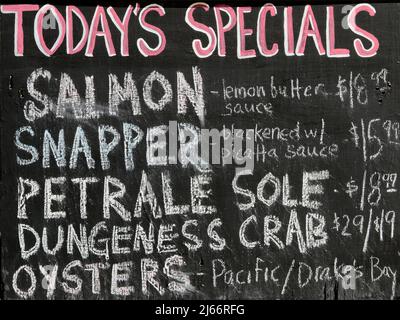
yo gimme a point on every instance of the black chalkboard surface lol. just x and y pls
(200, 152)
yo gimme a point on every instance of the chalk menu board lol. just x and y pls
(200, 152)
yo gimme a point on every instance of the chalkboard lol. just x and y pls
(200, 151)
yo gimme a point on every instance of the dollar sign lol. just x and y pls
(351, 187)
(355, 136)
